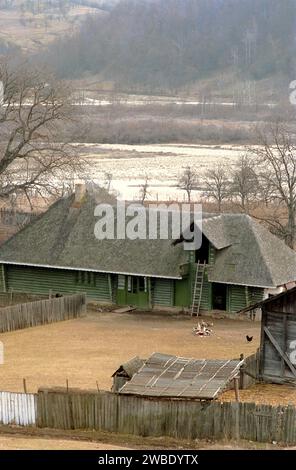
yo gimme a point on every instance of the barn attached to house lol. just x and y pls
(238, 264)
(277, 359)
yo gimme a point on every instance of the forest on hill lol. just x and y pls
(160, 43)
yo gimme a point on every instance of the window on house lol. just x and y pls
(121, 282)
(142, 284)
(85, 278)
(136, 284)
(129, 283)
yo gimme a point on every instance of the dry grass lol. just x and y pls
(90, 349)
(87, 351)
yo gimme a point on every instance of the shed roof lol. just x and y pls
(130, 367)
(164, 375)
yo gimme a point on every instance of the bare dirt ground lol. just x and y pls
(90, 349)
(29, 443)
(87, 351)
(52, 439)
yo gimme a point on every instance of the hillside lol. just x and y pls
(32, 25)
(164, 45)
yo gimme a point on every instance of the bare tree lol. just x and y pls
(144, 193)
(31, 158)
(217, 185)
(188, 181)
(275, 159)
(244, 183)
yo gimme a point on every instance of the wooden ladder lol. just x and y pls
(197, 291)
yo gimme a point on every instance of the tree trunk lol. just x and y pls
(290, 239)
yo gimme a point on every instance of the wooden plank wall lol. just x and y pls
(105, 411)
(41, 312)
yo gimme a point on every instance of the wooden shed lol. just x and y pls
(278, 338)
(125, 372)
(167, 376)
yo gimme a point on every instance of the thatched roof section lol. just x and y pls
(63, 237)
(252, 256)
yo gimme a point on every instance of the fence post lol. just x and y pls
(236, 387)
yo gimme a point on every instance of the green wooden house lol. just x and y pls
(59, 252)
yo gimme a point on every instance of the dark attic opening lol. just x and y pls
(202, 255)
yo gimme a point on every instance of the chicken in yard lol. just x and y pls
(249, 338)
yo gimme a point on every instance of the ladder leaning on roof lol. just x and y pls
(197, 291)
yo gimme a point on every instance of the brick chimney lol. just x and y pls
(80, 192)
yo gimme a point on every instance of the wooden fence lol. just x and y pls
(42, 312)
(7, 299)
(18, 408)
(249, 373)
(62, 409)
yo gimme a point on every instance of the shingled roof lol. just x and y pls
(252, 256)
(63, 237)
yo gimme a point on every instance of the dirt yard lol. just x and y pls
(15, 438)
(87, 351)
(29, 443)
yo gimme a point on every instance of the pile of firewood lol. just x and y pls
(203, 329)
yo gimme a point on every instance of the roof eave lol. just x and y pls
(70, 268)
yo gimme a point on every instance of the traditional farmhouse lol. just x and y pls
(238, 264)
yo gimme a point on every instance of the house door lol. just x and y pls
(219, 296)
(137, 291)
